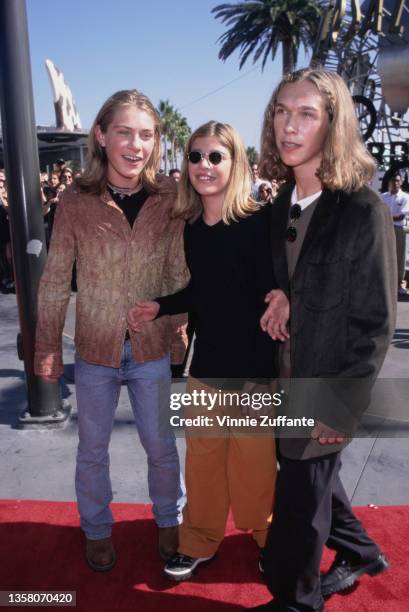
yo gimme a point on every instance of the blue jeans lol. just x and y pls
(97, 390)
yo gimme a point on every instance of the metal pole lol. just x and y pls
(45, 407)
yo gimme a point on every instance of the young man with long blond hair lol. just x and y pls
(114, 222)
(333, 255)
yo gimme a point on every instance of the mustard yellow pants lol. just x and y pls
(226, 467)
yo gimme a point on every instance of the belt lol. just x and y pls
(127, 336)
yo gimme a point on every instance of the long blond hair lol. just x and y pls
(237, 201)
(346, 164)
(94, 179)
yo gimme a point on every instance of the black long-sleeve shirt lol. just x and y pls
(231, 272)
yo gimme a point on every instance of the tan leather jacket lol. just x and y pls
(116, 267)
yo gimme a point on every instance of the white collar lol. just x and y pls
(305, 201)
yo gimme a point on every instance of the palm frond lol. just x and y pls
(256, 27)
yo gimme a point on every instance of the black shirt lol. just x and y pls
(130, 205)
(231, 272)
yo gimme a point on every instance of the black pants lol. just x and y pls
(311, 509)
(400, 252)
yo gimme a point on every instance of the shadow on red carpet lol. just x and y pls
(43, 549)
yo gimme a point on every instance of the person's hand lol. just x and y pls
(251, 387)
(49, 379)
(141, 312)
(275, 319)
(326, 435)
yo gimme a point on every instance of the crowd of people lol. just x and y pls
(263, 190)
(398, 202)
(274, 274)
(52, 186)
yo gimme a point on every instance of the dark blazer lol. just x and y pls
(343, 308)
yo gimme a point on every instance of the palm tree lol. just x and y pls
(175, 132)
(252, 155)
(182, 134)
(260, 26)
(166, 114)
(174, 126)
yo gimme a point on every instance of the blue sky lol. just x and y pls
(166, 49)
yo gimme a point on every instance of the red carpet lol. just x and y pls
(42, 549)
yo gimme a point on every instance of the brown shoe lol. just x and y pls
(168, 541)
(100, 554)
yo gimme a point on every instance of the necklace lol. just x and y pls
(123, 192)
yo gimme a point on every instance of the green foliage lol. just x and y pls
(252, 155)
(175, 131)
(257, 27)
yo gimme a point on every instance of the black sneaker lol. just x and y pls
(343, 574)
(181, 567)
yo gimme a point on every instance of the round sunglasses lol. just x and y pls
(214, 157)
(295, 213)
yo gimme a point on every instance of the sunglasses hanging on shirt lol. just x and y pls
(295, 213)
(214, 157)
